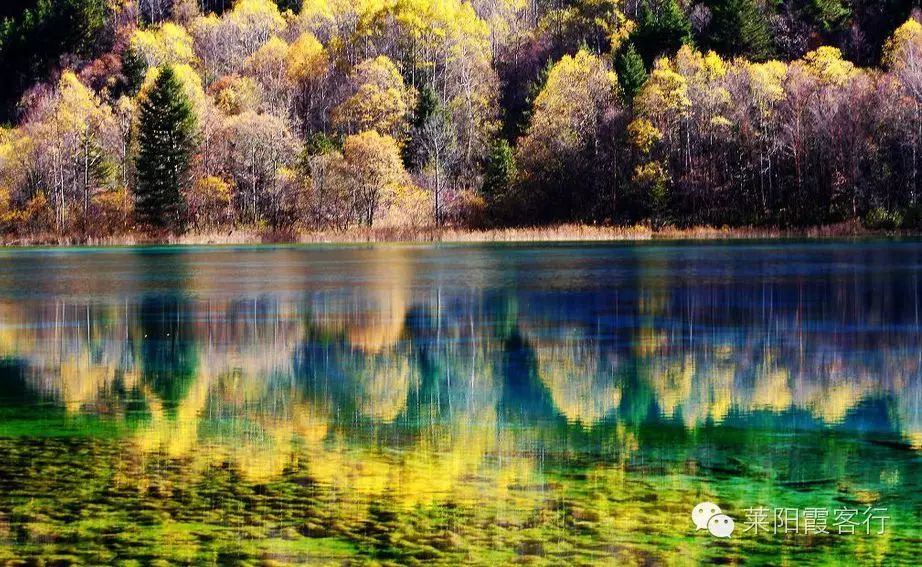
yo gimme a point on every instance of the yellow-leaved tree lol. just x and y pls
(307, 65)
(663, 106)
(252, 148)
(374, 171)
(380, 100)
(568, 111)
(442, 46)
(903, 55)
(306, 58)
(168, 44)
(562, 148)
(74, 133)
(268, 68)
(663, 100)
(827, 64)
(224, 43)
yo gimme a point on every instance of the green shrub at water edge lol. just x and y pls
(881, 218)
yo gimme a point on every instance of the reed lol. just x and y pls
(554, 233)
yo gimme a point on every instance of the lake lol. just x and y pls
(478, 404)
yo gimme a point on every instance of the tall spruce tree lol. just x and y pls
(500, 171)
(739, 28)
(832, 15)
(631, 72)
(427, 104)
(165, 134)
(662, 29)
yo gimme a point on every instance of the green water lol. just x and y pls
(487, 405)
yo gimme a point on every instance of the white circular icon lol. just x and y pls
(702, 513)
(721, 525)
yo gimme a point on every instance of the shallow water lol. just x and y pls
(480, 404)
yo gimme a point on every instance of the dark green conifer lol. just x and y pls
(500, 170)
(166, 127)
(631, 72)
(662, 29)
(832, 15)
(739, 28)
(426, 105)
(133, 70)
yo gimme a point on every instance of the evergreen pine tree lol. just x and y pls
(165, 134)
(133, 70)
(426, 105)
(832, 15)
(631, 72)
(663, 28)
(738, 28)
(499, 172)
(534, 89)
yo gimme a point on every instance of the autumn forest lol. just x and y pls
(172, 116)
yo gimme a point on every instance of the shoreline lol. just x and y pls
(382, 235)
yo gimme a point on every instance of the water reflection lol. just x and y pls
(541, 389)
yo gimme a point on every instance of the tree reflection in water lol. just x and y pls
(457, 403)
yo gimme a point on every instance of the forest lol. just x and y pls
(168, 116)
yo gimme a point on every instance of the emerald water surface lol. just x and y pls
(547, 404)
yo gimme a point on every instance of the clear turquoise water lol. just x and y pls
(458, 404)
